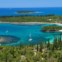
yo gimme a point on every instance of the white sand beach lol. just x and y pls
(30, 23)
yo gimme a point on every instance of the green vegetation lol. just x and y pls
(26, 18)
(52, 28)
(43, 52)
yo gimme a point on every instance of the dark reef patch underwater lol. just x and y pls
(7, 39)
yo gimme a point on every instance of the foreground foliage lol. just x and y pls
(43, 52)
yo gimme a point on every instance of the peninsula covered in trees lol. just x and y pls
(52, 28)
(26, 18)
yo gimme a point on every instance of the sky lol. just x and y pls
(29, 3)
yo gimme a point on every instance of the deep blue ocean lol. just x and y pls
(38, 11)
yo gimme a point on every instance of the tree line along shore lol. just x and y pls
(48, 18)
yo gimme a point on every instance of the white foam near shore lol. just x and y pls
(60, 30)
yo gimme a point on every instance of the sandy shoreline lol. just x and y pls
(30, 23)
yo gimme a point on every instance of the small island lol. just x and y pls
(25, 12)
(52, 28)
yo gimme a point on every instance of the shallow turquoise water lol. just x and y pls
(26, 32)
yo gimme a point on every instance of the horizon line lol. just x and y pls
(30, 7)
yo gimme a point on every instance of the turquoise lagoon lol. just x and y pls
(26, 34)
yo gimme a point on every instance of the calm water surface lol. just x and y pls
(28, 34)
